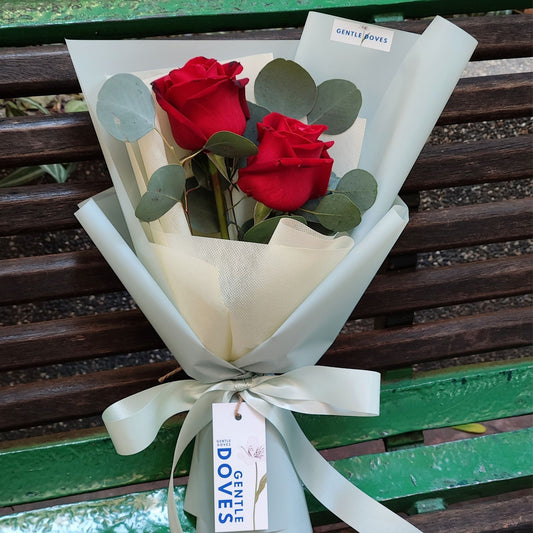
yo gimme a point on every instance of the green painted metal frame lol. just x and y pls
(453, 471)
(53, 21)
(51, 470)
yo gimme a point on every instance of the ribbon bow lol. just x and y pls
(134, 422)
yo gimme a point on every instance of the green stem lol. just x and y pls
(219, 202)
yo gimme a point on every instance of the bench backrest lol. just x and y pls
(94, 346)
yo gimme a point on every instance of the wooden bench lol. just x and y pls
(446, 320)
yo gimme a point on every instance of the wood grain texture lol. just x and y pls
(53, 70)
(71, 137)
(505, 515)
(23, 211)
(443, 286)
(31, 279)
(75, 339)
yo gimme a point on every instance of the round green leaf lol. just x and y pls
(338, 213)
(360, 186)
(257, 114)
(337, 105)
(262, 232)
(125, 107)
(164, 190)
(202, 212)
(285, 87)
(229, 144)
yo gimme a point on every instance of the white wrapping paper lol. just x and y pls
(404, 92)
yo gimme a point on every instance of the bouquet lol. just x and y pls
(248, 320)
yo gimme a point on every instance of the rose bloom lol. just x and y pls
(202, 98)
(291, 166)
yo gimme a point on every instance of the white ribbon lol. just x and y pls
(133, 424)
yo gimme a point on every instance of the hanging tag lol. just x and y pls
(239, 461)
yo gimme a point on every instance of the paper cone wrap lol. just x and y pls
(404, 92)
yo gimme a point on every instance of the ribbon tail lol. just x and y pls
(198, 417)
(333, 490)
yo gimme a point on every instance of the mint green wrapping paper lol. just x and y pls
(404, 92)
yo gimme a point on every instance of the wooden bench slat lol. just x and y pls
(30, 279)
(23, 206)
(85, 272)
(71, 137)
(401, 347)
(453, 397)
(72, 339)
(500, 96)
(65, 398)
(466, 226)
(69, 464)
(504, 516)
(471, 163)
(59, 138)
(443, 286)
(41, 70)
(438, 166)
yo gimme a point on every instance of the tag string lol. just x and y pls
(236, 413)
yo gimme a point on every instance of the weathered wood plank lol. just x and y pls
(497, 97)
(22, 207)
(509, 514)
(502, 516)
(37, 22)
(30, 279)
(59, 138)
(85, 272)
(436, 287)
(71, 397)
(466, 226)
(405, 346)
(439, 166)
(71, 137)
(80, 338)
(38, 70)
(73, 339)
(471, 163)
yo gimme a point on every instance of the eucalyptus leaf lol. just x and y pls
(257, 114)
(202, 212)
(337, 105)
(261, 212)
(360, 186)
(125, 107)
(333, 181)
(285, 87)
(229, 144)
(164, 190)
(262, 232)
(338, 213)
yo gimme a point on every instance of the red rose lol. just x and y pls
(201, 98)
(291, 167)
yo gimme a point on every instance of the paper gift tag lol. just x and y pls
(239, 463)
